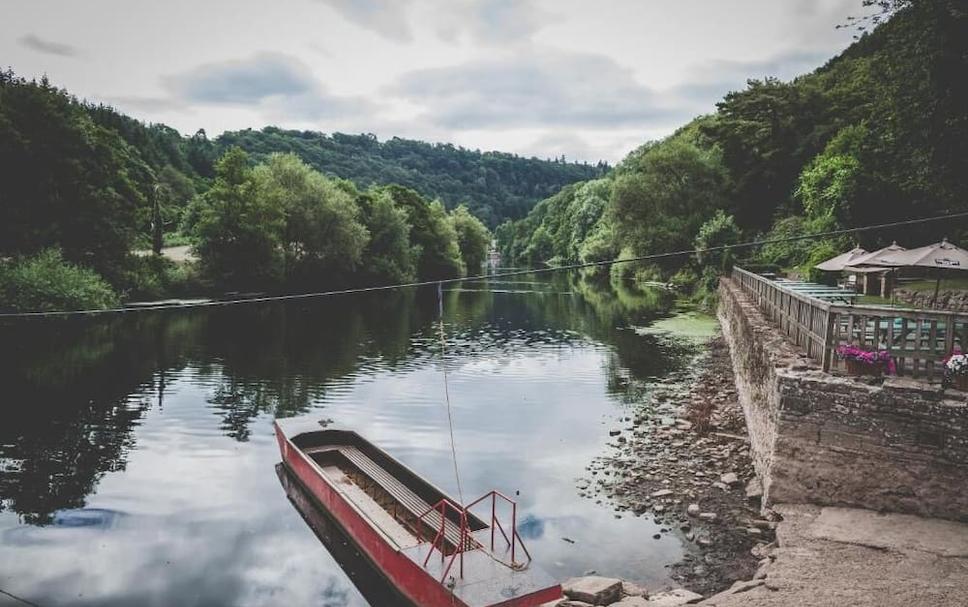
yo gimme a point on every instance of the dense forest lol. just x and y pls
(877, 134)
(83, 186)
(495, 186)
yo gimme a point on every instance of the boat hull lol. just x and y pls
(400, 569)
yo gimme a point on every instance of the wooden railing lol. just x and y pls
(917, 339)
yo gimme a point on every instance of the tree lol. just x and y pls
(719, 231)
(432, 234)
(473, 239)
(322, 237)
(65, 181)
(660, 203)
(389, 256)
(239, 231)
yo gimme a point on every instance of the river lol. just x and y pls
(137, 460)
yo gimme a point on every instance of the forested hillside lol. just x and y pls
(495, 186)
(82, 186)
(879, 133)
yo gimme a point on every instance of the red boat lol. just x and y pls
(433, 551)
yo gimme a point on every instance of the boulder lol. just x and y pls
(629, 589)
(673, 598)
(593, 589)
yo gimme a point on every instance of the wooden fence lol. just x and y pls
(917, 339)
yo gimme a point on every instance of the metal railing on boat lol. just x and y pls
(466, 541)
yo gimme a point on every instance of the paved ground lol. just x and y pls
(851, 557)
(177, 254)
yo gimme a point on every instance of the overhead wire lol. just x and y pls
(498, 275)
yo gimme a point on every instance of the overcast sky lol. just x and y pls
(586, 79)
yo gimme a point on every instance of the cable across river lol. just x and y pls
(443, 281)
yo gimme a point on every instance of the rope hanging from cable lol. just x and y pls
(450, 416)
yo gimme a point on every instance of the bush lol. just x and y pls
(46, 282)
(154, 277)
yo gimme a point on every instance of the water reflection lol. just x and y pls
(165, 420)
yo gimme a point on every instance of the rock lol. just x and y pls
(614, 432)
(661, 493)
(754, 489)
(754, 532)
(630, 589)
(708, 516)
(729, 478)
(764, 524)
(692, 510)
(570, 603)
(632, 601)
(593, 589)
(673, 598)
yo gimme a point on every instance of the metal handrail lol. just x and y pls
(496, 523)
(439, 540)
(465, 542)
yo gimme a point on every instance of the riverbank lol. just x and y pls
(683, 460)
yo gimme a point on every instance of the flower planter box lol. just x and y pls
(960, 382)
(856, 367)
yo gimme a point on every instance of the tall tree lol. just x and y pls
(473, 239)
(240, 231)
(322, 237)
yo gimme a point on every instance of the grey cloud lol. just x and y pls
(385, 17)
(32, 41)
(279, 85)
(243, 81)
(496, 21)
(547, 88)
(712, 81)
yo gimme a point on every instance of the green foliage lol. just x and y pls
(495, 186)
(65, 180)
(431, 233)
(155, 277)
(47, 282)
(388, 255)
(322, 237)
(660, 202)
(473, 239)
(877, 134)
(719, 231)
(239, 231)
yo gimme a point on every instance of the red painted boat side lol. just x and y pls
(412, 580)
(397, 567)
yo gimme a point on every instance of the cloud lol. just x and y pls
(280, 85)
(494, 21)
(385, 17)
(32, 41)
(708, 84)
(243, 81)
(533, 89)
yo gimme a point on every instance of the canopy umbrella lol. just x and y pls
(941, 255)
(876, 258)
(838, 263)
(872, 263)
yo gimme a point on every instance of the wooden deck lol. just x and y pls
(918, 340)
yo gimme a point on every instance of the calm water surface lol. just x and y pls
(137, 461)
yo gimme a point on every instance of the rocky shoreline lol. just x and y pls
(682, 458)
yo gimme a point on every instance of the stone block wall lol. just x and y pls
(817, 438)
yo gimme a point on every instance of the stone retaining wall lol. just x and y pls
(818, 438)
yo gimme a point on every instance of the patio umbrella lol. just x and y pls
(876, 258)
(872, 262)
(941, 255)
(838, 263)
